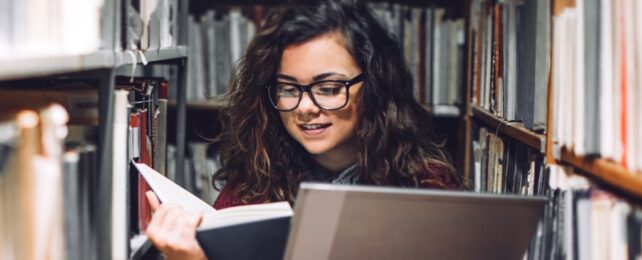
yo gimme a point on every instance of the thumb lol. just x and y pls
(153, 200)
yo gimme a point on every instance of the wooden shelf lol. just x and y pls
(21, 68)
(607, 172)
(524, 135)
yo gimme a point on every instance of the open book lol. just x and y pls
(242, 232)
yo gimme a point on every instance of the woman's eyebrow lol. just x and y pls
(323, 76)
(319, 77)
(286, 77)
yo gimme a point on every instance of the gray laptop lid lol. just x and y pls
(358, 222)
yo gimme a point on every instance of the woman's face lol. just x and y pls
(327, 135)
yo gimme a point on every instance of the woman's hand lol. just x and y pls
(172, 230)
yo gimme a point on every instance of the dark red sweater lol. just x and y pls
(225, 199)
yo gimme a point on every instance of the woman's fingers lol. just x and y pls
(170, 221)
(154, 203)
(172, 230)
(196, 220)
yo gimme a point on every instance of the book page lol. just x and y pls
(244, 214)
(169, 192)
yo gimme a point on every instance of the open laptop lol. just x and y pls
(357, 222)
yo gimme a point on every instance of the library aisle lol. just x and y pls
(530, 98)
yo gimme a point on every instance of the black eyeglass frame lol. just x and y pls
(308, 89)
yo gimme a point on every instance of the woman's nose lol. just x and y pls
(307, 106)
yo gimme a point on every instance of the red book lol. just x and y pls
(144, 210)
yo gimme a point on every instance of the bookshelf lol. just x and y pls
(517, 132)
(582, 125)
(51, 60)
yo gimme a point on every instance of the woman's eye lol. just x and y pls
(328, 89)
(287, 91)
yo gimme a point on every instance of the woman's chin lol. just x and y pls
(316, 149)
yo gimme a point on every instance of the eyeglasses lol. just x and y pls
(325, 94)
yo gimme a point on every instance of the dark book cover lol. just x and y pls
(526, 43)
(264, 239)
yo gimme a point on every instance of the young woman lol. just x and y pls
(323, 94)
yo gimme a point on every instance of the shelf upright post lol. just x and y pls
(180, 121)
(105, 147)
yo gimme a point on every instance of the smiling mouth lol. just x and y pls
(313, 129)
(313, 126)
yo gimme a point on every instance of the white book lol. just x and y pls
(600, 224)
(235, 34)
(510, 61)
(583, 228)
(618, 242)
(569, 238)
(456, 39)
(429, 23)
(47, 185)
(556, 81)
(5, 28)
(606, 80)
(414, 34)
(209, 33)
(38, 36)
(566, 98)
(488, 62)
(638, 126)
(617, 95)
(146, 8)
(119, 236)
(631, 82)
(165, 35)
(579, 97)
(436, 57)
(80, 26)
(169, 192)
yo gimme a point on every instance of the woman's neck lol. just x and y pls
(337, 161)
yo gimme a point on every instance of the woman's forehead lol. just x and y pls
(323, 54)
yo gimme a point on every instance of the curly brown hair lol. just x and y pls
(261, 162)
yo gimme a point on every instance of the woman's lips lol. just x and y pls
(314, 129)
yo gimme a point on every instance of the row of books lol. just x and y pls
(153, 24)
(433, 44)
(41, 28)
(201, 162)
(98, 209)
(584, 222)
(146, 139)
(217, 40)
(31, 184)
(52, 205)
(503, 165)
(580, 220)
(510, 59)
(596, 79)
